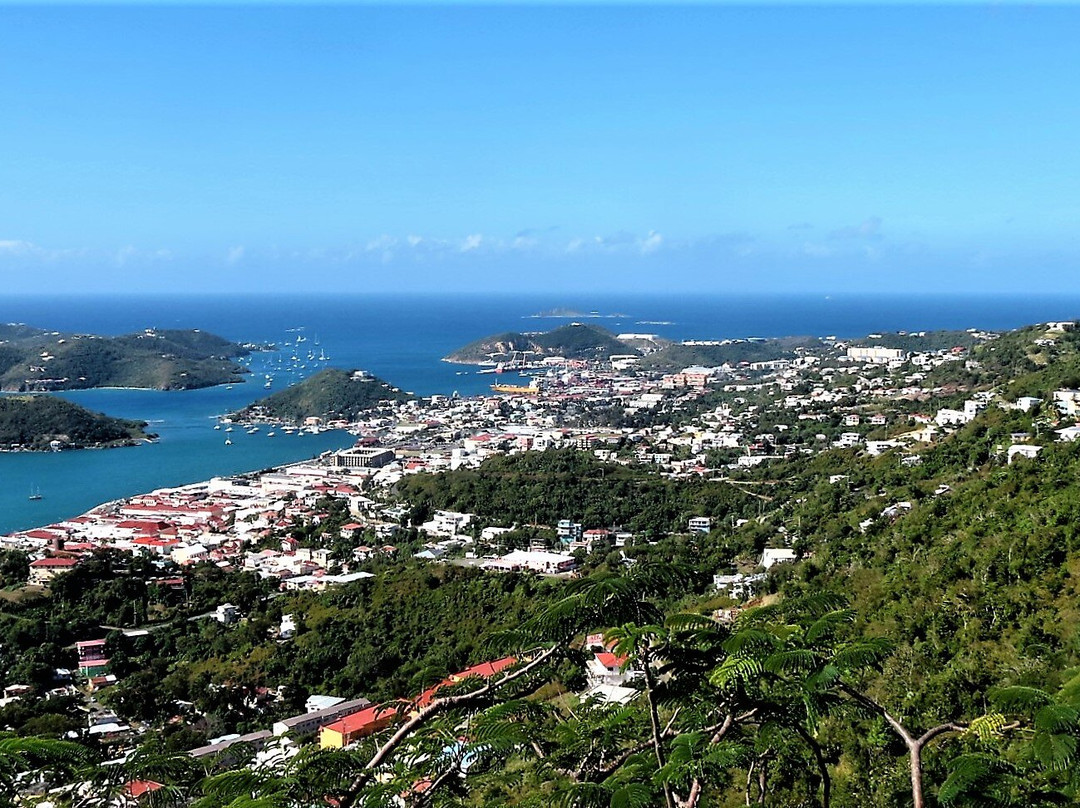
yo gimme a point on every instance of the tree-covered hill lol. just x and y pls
(546, 487)
(330, 394)
(573, 341)
(34, 422)
(32, 359)
(678, 356)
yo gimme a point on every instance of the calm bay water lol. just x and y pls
(402, 339)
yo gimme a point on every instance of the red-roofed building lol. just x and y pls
(606, 668)
(136, 788)
(610, 661)
(92, 659)
(359, 725)
(485, 670)
(41, 534)
(44, 570)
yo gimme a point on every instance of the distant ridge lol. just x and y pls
(36, 360)
(572, 341)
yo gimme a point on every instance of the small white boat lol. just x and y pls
(269, 434)
(228, 442)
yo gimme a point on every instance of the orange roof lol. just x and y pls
(368, 717)
(137, 788)
(609, 660)
(485, 670)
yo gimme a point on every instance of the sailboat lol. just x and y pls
(35, 493)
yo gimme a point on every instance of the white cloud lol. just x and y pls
(124, 254)
(472, 242)
(17, 247)
(652, 242)
(381, 243)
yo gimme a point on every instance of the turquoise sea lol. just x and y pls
(402, 339)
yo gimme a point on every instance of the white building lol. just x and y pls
(1023, 450)
(227, 614)
(771, 556)
(876, 355)
(699, 524)
(534, 560)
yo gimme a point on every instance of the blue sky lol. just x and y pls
(584, 147)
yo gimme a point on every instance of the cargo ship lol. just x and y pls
(517, 389)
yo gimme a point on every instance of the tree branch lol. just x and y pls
(869, 703)
(930, 734)
(437, 706)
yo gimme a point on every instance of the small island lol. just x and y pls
(36, 360)
(562, 312)
(573, 341)
(330, 395)
(46, 423)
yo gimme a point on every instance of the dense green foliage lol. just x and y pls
(676, 357)
(922, 340)
(545, 487)
(922, 649)
(34, 421)
(329, 394)
(574, 341)
(33, 359)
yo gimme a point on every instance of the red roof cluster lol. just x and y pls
(484, 670)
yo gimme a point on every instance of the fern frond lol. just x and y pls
(862, 654)
(1057, 718)
(792, 661)
(987, 727)
(1019, 699)
(1055, 752)
(735, 670)
(824, 626)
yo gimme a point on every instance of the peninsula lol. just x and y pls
(329, 395)
(573, 341)
(43, 423)
(36, 360)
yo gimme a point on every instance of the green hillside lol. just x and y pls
(678, 356)
(33, 422)
(921, 648)
(573, 341)
(32, 359)
(330, 394)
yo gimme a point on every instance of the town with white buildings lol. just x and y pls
(718, 422)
